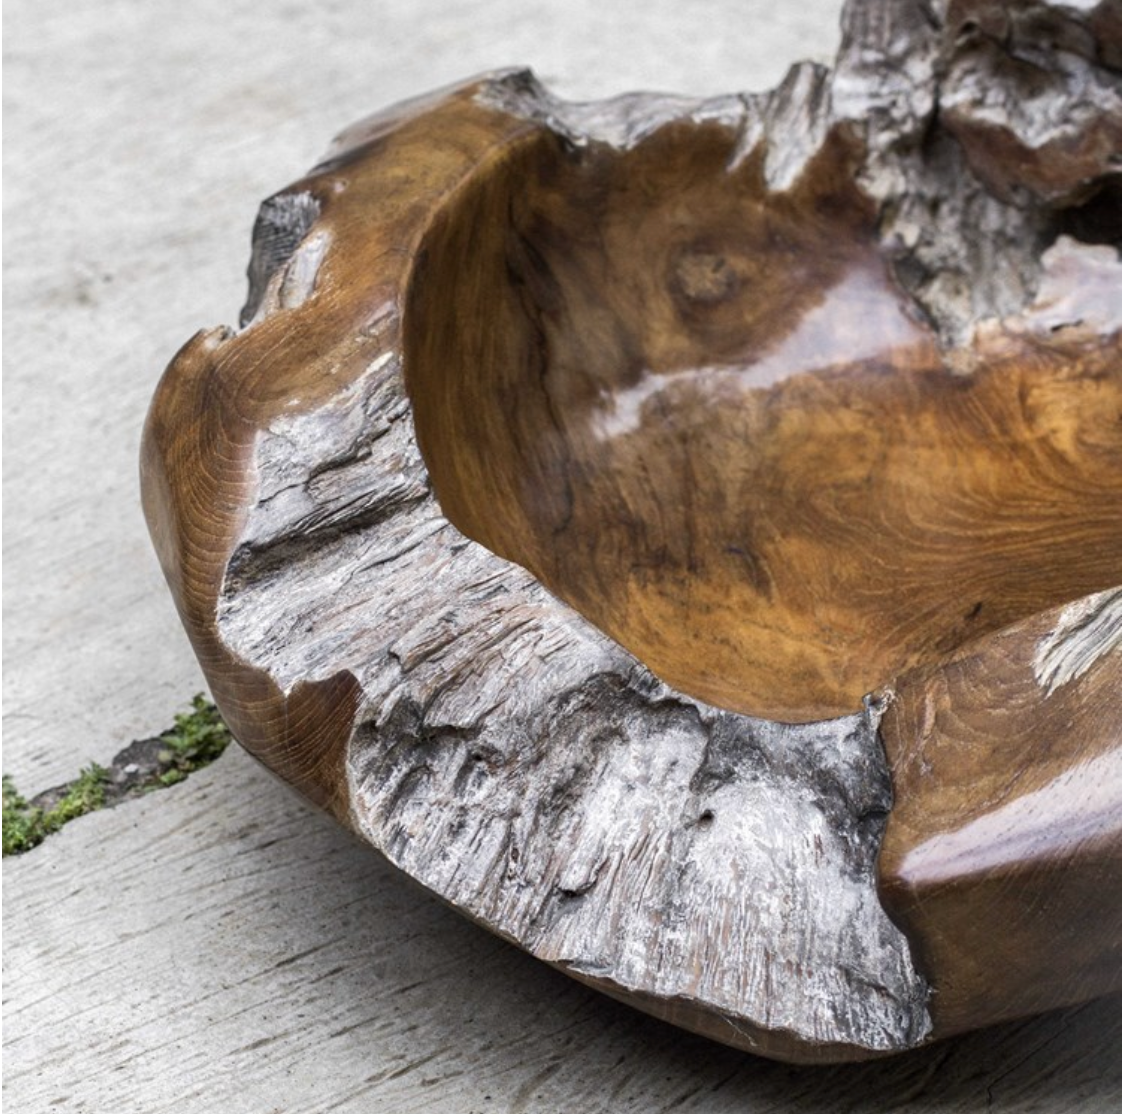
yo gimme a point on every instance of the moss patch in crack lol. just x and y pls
(197, 738)
(26, 825)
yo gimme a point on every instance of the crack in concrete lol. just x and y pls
(196, 739)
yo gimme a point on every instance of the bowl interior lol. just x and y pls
(702, 413)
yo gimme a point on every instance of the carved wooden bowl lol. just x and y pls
(599, 515)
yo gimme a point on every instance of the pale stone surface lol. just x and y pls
(217, 946)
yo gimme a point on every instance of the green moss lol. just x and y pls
(26, 825)
(197, 738)
(21, 822)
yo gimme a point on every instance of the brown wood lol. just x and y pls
(702, 414)
(783, 398)
(1007, 774)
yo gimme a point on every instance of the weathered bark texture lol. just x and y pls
(789, 398)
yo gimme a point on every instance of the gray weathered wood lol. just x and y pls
(522, 765)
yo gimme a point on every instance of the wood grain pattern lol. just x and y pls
(531, 399)
(702, 414)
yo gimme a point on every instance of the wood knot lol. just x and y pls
(704, 277)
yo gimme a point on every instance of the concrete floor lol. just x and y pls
(217, 946)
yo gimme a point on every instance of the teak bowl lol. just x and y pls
(601, 529)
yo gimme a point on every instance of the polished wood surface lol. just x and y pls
(702, 414)
(1002, 858)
